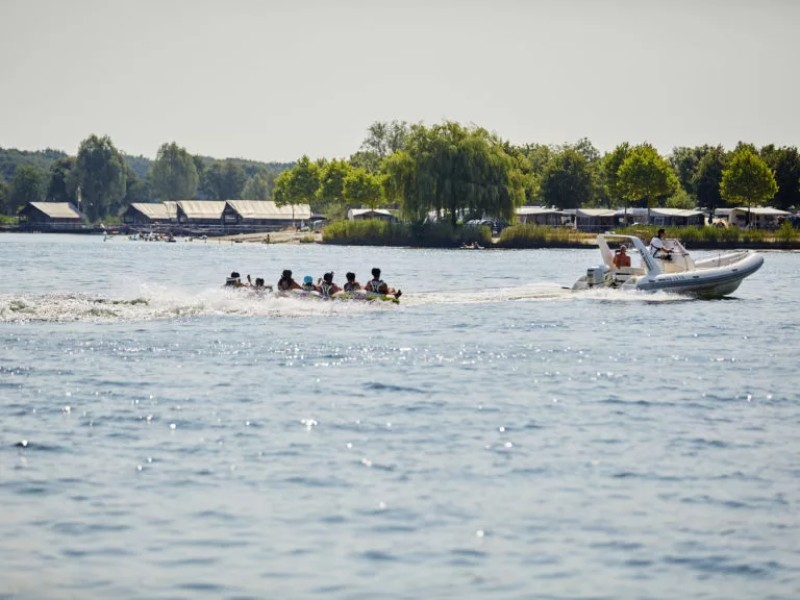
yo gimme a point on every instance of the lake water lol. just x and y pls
(493, 436)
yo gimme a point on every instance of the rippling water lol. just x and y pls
(493, 436)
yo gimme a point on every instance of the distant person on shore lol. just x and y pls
(377, 286)
(286, 283)
(327, 287)
(235, 280)
(351, 285)
(621, 258)
(658, 248)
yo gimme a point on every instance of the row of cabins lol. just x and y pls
(208, 216)
(604, 219)
(238, 216)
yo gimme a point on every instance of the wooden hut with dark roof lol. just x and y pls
(50, 216)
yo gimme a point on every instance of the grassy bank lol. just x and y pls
(374, 232)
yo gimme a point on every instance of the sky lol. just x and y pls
(274, 80)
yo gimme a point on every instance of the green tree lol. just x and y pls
(785, 163)
(645, 175)
(685, 161)
(136, 188)
(174, 174)
(454, 171)
(680, 199)
(708, 177)
(59, 188)
(100, 173)
(5, 194)
(331, 184)
(363, 188)
(747, 180)
(259, 186)
(297, 185)
(224, 180)
(382, 140)
(27, 185)
(567, 180)
(609, 168)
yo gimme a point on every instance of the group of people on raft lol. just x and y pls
(325, 285)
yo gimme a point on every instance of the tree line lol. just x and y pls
(455, 171)
(103, 180)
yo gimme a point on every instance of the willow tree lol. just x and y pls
(453, 171)
(645, 175)
(174, 174)
(100, 173)
(747, 180)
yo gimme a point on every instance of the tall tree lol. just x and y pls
(224, 180)
(747, 180)
(567, 180)
(686, 160)
(27, 185)
(708, 176)
(785, 163)
(298, 185)
(136, 188)
(100, 173)
(645, 175)
(362, 188)
(174, 174)
(609, 167)
(58, 185)
(4, 197)
(454, 171)
(331, 184)
(259, 186)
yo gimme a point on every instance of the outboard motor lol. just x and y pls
(595, 275)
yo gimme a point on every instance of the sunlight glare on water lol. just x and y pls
(493, 435)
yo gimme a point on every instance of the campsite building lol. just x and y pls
(151, 214)
(262, 215)
(50, 216)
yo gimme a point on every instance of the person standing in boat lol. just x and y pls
(377, 286)
(621, 258)
(326, 286)
(286, 283)
(351, 285)
(658, 248)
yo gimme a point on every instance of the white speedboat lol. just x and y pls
(676, 272)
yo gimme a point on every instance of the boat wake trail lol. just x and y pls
(530, 292)
(148, 303)
(153, 303)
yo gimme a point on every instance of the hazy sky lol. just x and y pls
(272, 81)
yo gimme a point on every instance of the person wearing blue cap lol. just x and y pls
(308, 284)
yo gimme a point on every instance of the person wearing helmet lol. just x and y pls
(286, 283)
(326, 286)
(377, 286)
